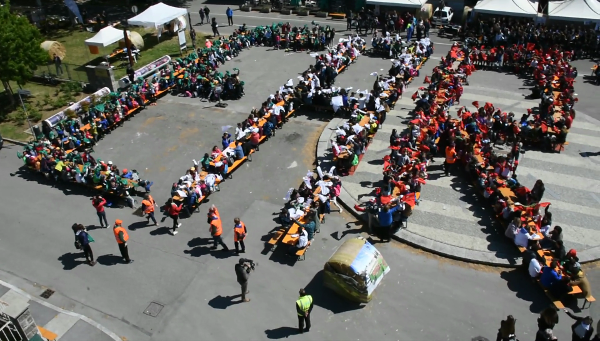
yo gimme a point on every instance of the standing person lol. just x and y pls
(98, 202)
(122, 237)
(193, 37)
(215, 27)
(58, 64)
(216, 227)
(304, 305)
(450, 158)
(239, 234)
(582, 329)
(207, 13)
(83, 240)
(242, 271)
(507, 329)
(229, 13)
(201, 12)
(173, 211)
(148, 208)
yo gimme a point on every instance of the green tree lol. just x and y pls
(20, 50)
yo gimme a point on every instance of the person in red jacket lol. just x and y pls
(98, 202)
(173, 211)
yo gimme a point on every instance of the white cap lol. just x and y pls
(110, 162)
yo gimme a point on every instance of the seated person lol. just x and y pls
(239, 151)
(310, 227)
(553, 280)
(301, 243)
(523, 237)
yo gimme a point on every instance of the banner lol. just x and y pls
(72, 6)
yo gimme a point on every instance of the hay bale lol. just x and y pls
(135, 38)
(54, 47)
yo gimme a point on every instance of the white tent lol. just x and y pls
(518, 8)
(398, 3)
(106, 36)
(574, 10)
(157, 15)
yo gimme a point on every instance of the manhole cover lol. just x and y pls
(153, 309)
(46, 294)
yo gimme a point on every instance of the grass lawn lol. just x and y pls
(48, 100)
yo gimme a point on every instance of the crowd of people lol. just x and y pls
(205, 175)
(288, 37)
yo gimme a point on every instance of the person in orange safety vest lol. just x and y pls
(450, 158)
(122, 237)
(148, 208)
(216, 227)
(239, 234)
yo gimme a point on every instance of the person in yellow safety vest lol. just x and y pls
(304, 305)
(239, 234)
(122, 237)
(148, 208)
(450, 158)
(216, 227)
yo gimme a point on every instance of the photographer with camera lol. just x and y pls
(98, 202)
(242, 271)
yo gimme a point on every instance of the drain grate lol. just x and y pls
(46, 294)
(154, 309)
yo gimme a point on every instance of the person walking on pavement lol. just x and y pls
(122, 237)
(242, 271)
(173, 212)
(229, 13)
(201, 12)
(239, 234)
(98, 202)
(148, 208)
(207, 13)
(216, 227)
(83, 240)
(304, 305)
(215, 27)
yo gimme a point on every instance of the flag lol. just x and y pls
(530, 46)
(373, 74)
(476, 104)
(415, 95)
(225, 128)
(427, 80)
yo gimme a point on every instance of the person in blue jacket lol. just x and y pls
(386, 219)
(229, 13)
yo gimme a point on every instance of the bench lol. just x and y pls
(276, 236)
(301, 254)
(337, 15)
(588, 299)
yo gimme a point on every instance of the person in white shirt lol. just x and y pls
(513, 228)
(301, 243)
(534, 268)
(522, 239)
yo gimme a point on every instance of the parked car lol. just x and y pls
(442, 16)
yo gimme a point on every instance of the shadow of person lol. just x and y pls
(281, 332)
(69, 260)
(110, 259)
(520, 283)
(222, 302)
(137, 225)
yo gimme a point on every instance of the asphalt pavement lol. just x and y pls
(422, 298)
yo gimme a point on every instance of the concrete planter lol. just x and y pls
(303, 13)
(321, 14)
(265, 10)
(245, 8)
(286, 11)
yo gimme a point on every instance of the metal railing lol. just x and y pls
(66, 71)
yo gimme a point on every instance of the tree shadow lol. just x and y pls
(327, 299)
(70, 260)
(281, 332)
(110, 260)
(222, 302)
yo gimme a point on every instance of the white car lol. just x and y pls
(442, 16)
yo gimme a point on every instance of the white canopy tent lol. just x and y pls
(574, 10)
(398, 3)
(157, 15)
(518, 8)
(106, 36)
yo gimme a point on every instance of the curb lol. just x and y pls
(17, 142)
(62, 311)
(404, 236)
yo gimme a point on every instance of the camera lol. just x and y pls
(249, 262)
